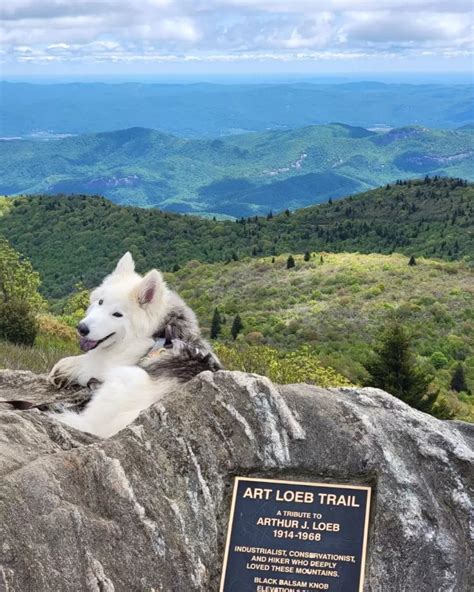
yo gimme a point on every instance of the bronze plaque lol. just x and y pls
(296, 536)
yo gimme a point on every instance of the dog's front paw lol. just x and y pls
(57, 378)
(63, 372)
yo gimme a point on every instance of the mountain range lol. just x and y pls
(238, 175)
(212, 110)
(79, 238)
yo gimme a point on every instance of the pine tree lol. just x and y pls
(216, 324)
(412, 260)
(237, 326)
(393, 369)
(273, 259)
(458, 380)
(321, 259)
(290, 262)
(307, 256)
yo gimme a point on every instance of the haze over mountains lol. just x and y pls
(237, 175)
(213, 110)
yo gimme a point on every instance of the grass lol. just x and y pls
(53, 342)
(39, 359)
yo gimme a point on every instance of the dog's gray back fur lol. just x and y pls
(187, 353)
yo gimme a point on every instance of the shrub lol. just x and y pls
(17, 322)
(18, 280)
(254, 337)
(75, 306)
(438, 359)
(301, 365)
(52, 328)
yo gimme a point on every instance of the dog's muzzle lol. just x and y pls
(89, 344)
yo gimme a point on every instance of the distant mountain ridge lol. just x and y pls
(213, 110)
(237, 176)
(72, 239)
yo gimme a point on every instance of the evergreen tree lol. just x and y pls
(394, 370)
(307, 256)
(290, 262)
(273, 259)
(412, 260)
(237, 326)
(321, 260)
(216, 324)
(458, 379)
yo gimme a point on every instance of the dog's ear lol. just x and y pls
(126, 264)
(150, 288)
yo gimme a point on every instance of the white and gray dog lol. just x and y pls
(140, 341)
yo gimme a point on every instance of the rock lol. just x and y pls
(147, 510)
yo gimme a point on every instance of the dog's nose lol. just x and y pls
(82, 329)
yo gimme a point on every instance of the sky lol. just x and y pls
(158, 37)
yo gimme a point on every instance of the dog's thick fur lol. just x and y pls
(127, 315)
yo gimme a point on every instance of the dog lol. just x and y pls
(141, 341)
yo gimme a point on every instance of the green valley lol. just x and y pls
(237, 175)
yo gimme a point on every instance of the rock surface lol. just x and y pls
(147, 510)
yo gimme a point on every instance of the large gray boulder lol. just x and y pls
(147, 510)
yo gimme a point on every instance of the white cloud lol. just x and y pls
(81, 30)
(385, 27)
(58, 46)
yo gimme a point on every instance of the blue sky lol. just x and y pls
(314, 37)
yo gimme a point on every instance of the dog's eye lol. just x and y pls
(101, 302)
(117, 314)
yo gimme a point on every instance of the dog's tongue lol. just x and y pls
(86, 344)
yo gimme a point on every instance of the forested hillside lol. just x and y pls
(338, 304)
(236, 176)
(78, 239)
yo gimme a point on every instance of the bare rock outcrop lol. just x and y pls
(147, 510)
